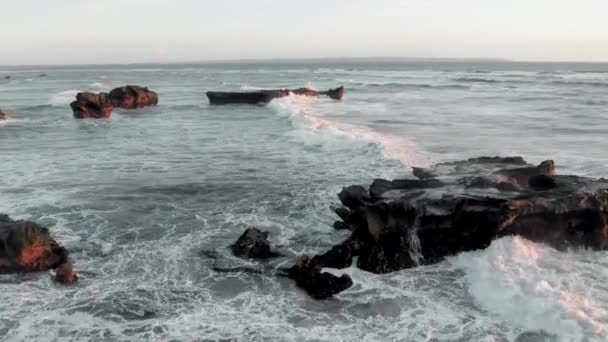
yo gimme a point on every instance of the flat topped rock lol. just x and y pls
(265, 96)
(463, 206)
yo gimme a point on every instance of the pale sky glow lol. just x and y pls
(129, 31)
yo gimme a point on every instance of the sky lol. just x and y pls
(134, 31)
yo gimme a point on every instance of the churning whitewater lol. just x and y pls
(140, 200)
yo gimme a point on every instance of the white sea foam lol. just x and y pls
(97, 85)
(395, 147)
(538, 288)
(64, 98)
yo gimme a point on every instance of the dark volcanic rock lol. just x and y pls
(132, 97)
(89, 105)
(265, 96)
(27, 247)
(319, 285)
(253, 244)
(464, 206)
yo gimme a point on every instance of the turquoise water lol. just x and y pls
(138, 197)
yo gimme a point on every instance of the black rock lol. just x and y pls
(253, 244)
(319, 285)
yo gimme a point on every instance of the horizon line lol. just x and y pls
(332, 59)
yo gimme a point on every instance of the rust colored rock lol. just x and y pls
(90, 105)
(132, 97)
(28, 247)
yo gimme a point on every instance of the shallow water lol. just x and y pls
(138, 198)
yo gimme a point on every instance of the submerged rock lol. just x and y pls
(132, 97)
(27, 247)
(463, 206)
(89, 105)
(253, 244)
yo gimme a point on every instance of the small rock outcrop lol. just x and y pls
(253, 244)
(3, 115)
(319, 285)
(27, 247)
(132, 97)
(90, 105)
(101, 105)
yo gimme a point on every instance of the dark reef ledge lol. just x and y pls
(456, 207)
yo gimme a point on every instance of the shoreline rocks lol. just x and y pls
(28, 247)
(101, 105)
(456, 207)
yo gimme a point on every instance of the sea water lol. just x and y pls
(142, 198)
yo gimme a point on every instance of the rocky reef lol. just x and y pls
(27, 247)
(457, 207)
(265, 96)
(101, 105)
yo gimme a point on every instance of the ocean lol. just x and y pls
(141, 200)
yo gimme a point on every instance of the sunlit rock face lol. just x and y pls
(132, 97)
(28, 247)
(463, 206)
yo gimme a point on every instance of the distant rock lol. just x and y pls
(3, 115)
(265, 96)
(27, 247)
(101, 105)
(132, 97)
(90, 105)
(7, 77)
(253, 244)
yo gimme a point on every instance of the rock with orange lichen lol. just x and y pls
(465, 205)
(28, 247)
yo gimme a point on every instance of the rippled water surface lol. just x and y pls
(141, 198)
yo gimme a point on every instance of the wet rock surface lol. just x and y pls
(253, 244)
(463, 206)
(28, 247)
(319, 285)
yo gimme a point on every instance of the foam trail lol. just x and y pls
(394, 147)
